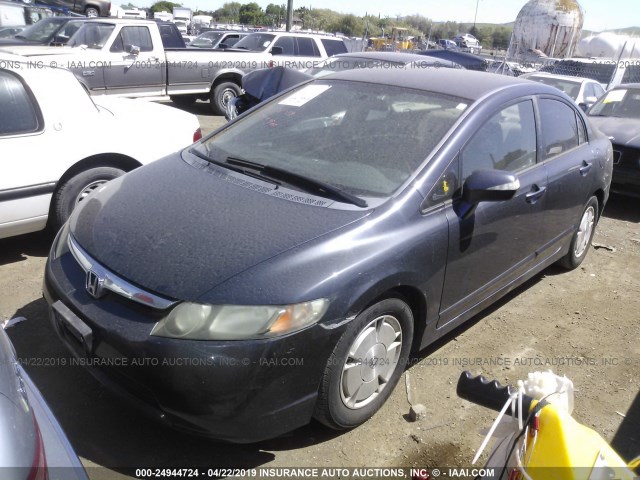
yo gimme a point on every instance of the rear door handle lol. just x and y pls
(535, 194)
(586, 166)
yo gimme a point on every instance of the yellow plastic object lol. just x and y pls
(567, 450)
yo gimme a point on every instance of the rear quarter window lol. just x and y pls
(334, 47)
(20, 114)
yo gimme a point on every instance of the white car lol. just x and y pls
(584, 91)
(59, 144)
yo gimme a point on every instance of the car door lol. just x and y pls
(129, 73)
(498, 242)
(570, 163)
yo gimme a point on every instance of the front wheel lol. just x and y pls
(76, 189)
(365, 365)
(222, 95)
(581, 239)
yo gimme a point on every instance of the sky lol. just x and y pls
(599, 14)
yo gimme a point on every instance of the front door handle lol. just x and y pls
(535, 194)
(586, 166)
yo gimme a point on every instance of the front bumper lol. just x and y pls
(240, 391)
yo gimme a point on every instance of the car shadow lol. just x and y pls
(621, 207)
(416, 357)
(17, 249)
(108, 431)
(197, 108)
(627, 438)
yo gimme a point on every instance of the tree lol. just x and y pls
(164, 6)
(229, 12)
(350, 25)
(500, 38)
(251, 14)
(276, 14)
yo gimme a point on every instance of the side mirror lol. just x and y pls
(222, 46)
(277, 51)
(60, 40)
(487, 186)
(133, 50)
(588, 101)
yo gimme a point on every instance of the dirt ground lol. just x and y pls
(583, 324)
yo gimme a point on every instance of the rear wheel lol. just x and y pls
(365, 365)
(76, 189)
(582, 237)
(222, 95)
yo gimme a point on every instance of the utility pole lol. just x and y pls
(289, 14)
(475, 16)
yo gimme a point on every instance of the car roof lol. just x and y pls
(400, 57)
(559, 77)
(627, 85)
(467, 84)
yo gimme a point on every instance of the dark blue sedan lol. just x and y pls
(283, 268)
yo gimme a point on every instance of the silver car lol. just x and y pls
(33, 443)
(584, 91)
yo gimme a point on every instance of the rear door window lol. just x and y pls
(307, 47)
(559, 125)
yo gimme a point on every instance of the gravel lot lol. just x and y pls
(583, 324)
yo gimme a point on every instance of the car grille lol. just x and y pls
(100, 280)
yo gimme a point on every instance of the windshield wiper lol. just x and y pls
(232, 167)
(309, 184)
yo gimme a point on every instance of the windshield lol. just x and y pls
(43, 30)
(206, 39)
(256, 42)
(10, 31)
(93, 35)
(337, 64)
(567, 86)
(623, 103)
(364, 139)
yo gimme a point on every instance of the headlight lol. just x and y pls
(196, 321)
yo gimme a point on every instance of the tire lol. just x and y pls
(363, 370)
(76, 188)
(91, 12)
(183, 100)
(582, 237)
(221, 95)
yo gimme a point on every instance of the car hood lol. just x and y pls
(625, 131)
(141, 117)
(180, 229)
(31, 50)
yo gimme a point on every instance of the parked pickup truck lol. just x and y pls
(129, 58)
